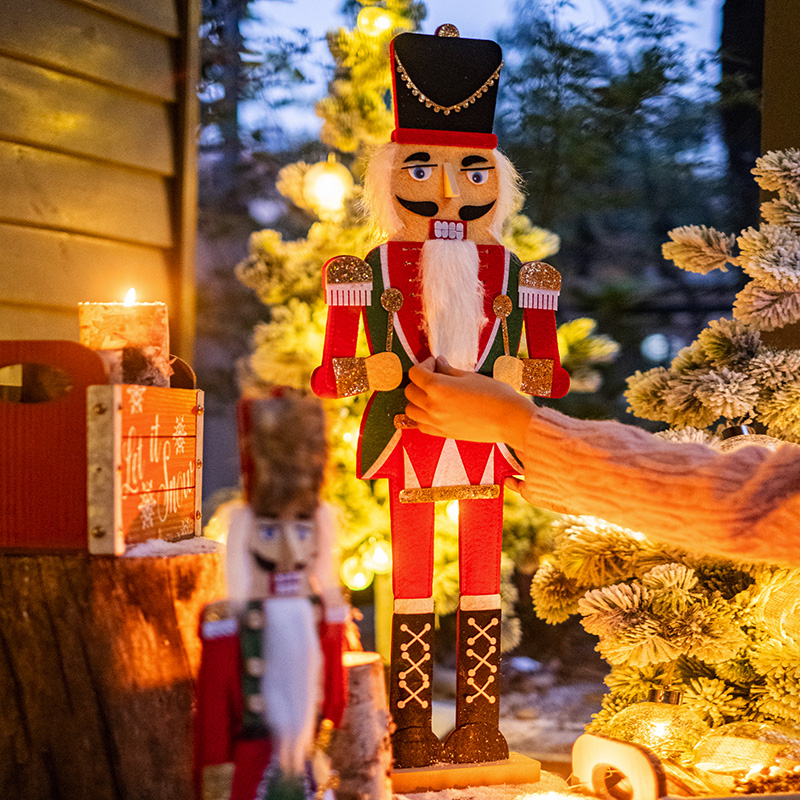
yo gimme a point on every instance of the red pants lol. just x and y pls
(480, 522)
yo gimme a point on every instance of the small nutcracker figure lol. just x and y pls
(441, 285)
(272, 653)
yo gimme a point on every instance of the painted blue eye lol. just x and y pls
(268, 531)
(420, 173)
(303, 532)
(478, 176)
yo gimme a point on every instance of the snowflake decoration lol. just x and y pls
(147, 506)
(178, 433)
(136, 398)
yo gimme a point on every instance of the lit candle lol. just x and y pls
(132, 339)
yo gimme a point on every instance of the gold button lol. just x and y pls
(255, 666)
(255, 703)
(254, 619)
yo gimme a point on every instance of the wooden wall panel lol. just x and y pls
(69, 268)
(47, 189)
(160, 15)
(56, 111)
(97, 160)
(82, 41)
(30, 322)
(780, 105)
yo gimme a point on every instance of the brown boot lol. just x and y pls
(410, 696)
(477, 736)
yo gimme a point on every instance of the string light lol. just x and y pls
(326, 186)
(355, 575)
(374, 20)
(130, 297)
(378, 558)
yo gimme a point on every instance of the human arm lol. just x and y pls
(744, 504)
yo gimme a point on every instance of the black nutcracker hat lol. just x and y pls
(445, 88)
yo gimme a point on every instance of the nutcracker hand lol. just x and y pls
(384, 371)
(508, 370)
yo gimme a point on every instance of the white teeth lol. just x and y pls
(448, 230)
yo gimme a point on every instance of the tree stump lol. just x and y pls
(361, 751)
(98, 657)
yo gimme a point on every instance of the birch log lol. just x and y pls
(361, 750)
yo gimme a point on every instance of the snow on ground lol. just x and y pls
(159, 548)
(530, 791)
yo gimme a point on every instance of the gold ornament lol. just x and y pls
(739, 748)
(669, 729)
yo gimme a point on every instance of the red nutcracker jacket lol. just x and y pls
(228, 722)
(532, 288)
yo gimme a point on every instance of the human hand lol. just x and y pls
(457, 404)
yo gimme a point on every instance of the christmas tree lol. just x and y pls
(723, 633)
(286, 276)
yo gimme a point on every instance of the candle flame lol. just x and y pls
(130, 298)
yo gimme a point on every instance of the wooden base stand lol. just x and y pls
(516, 769)
(98, 657)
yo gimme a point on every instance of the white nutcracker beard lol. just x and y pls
(452, 300)
(291, 681)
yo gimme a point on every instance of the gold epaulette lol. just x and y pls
(217, 619)
(539, 286)
(348, 282)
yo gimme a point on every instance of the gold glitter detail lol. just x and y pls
(448, 30)
(351, 376)
(538, 275)
(392, 301)
(537, 376)
(402, 421)
(423, 98)
(502, 307)
(348, 269)
(435, 493)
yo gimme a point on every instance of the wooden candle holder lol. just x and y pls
(99, 466)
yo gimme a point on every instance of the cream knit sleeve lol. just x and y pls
(744, 504)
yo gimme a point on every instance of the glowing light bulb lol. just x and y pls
(348, 437)
(374, 20)
(451, 509)
(378, 558)
(326, 186)
(130, 297)
(355, 575)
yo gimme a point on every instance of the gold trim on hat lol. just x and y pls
(423, 98)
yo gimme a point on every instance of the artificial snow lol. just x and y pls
(158, 548)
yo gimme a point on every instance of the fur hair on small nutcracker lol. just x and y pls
(443, 285)
(271, 664)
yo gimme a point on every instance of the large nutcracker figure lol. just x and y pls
(441, 285)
